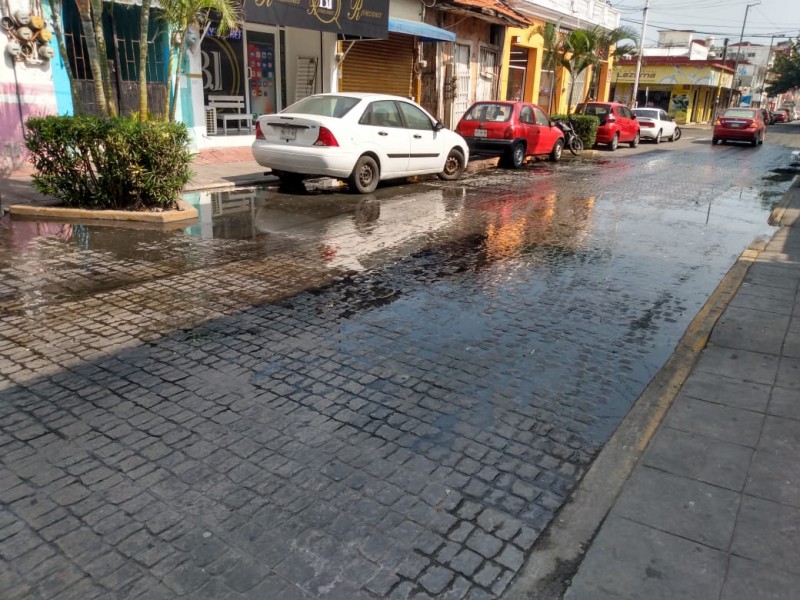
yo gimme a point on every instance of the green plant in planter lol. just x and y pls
(585, 126)
(115, 163)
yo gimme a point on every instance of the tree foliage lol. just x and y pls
(786, 72)
(185, 17)
(580, 49)
(551, 54)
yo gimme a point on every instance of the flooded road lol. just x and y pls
(323, 395)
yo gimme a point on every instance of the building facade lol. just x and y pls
(445, 56)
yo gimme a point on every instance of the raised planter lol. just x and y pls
(185, 212)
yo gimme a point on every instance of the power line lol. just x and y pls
(671, 27)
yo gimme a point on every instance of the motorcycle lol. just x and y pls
(571, 138)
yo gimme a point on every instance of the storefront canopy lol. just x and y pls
(370, 19)
(426, 33)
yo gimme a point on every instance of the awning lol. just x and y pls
(425, 32)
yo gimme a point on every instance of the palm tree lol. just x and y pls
(55, 11)
(144, 26)
(181, 15)
(551, 53)
(91, 22)
(102, 55)
(608, 43)
(579, 55)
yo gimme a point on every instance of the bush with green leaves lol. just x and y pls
(116, 163)
(585, 126)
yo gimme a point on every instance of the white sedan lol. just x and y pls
(655, 124)
(361, 138)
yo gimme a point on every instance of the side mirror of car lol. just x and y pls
(438, 126)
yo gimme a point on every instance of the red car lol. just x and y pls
(618, 124)
(510, 130)
(780, 116)
(740, 125)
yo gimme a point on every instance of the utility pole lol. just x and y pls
(641, 52)
(739, 53)
(719, 83)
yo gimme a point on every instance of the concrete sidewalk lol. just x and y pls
(712, 509)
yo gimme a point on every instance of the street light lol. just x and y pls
(739, 53)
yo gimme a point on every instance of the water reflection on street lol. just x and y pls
(591, 206)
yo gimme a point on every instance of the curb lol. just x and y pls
(185, 212)
(557, 554)
(559, 551)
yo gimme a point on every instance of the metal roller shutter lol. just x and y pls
(384, 66)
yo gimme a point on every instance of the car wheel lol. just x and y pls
(754, 141)
(515, 156)
(614, 142)
(454, 165)
(714, 141)
(635, 140)
(677, 135)
(365, 176)
(558, 150)
(657, 139)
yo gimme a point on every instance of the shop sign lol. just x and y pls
(671, 75)
(366, 18)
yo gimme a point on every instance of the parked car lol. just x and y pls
(780, 116)
(768, 117)
(791, 114)
(654, 124)
(740, 125)
(617, 123)
(510, 130)
(362, 138)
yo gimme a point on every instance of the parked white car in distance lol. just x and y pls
(359, 137)
(655, 124)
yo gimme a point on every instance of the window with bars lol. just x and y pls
(121, 27)
(487, 73)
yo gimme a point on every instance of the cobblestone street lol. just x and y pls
(341, 411)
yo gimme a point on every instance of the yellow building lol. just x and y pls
(686, 89)
(522, 77)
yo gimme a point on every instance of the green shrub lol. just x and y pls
(585, 126)
(117, 163)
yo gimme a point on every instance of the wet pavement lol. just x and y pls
(330, 396)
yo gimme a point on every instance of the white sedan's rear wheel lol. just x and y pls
(365, 176)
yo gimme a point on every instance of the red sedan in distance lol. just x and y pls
(511, 130)
(740, 125)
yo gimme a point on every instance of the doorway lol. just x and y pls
(517, 72)
(261, 56)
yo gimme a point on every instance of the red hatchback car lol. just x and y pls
(740, 125)
(617, 123)
(510, 130)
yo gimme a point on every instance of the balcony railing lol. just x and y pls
(572, 13)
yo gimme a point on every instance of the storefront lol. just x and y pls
(687, 90)
(390, 65)
(283, 52)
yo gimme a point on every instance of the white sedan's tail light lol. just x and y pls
(326, 138)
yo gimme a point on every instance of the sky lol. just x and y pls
(715, 18)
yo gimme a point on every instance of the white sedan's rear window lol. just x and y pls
(325, 106)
